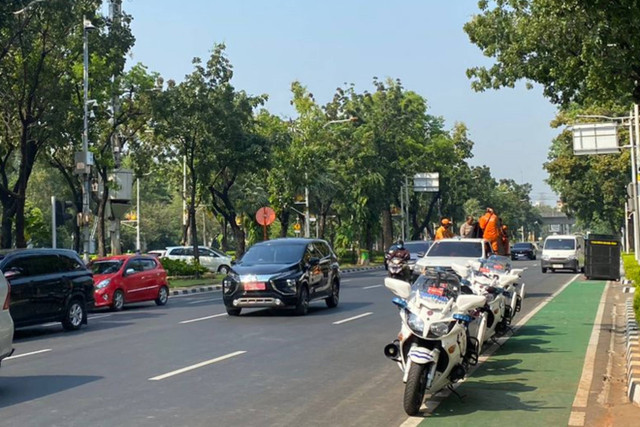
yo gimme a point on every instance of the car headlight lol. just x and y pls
(415, 323)
(103, 284)
(439, 329)
(230, 282)
(545, 257)
(284, 284)
(571, 257)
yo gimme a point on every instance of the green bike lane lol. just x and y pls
(533, 378)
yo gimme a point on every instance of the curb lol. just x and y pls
(633, 354)
(356, 269)
(195, 290)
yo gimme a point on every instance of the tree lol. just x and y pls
(579, 51)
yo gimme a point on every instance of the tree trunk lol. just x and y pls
(239, 235)
(284, 222)
(426, 223)
(387, 228)
(102, 208)
(8, 210)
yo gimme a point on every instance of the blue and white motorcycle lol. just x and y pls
(433, 349)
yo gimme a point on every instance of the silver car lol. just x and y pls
(211, 259)
(6, 323)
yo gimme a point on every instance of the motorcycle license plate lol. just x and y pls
(255, 286)
(557, 265)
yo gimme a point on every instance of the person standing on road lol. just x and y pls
(466, 229)
(444, 232)
(504, 242)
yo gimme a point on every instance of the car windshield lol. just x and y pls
(105, 267)
(522, 246)
(273, 254)
(416, 247)
(560, 244)
(456, 249)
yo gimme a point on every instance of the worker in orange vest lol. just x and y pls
(444, 232)
(491, 229)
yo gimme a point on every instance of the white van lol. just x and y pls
(563, 252)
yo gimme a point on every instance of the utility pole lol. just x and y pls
(86, 158)
(53, 222)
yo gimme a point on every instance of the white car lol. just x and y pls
(6, 322)
(446, 252)
(210, 258)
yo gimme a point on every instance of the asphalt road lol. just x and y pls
(189, 364)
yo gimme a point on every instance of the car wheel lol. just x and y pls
(544, 270)
(233, 311)
(302, 307)
(118, 300)
(75, 314)
(163, 296)
(223, 269)
(332, 301)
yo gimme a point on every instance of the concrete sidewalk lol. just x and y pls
(608, 403)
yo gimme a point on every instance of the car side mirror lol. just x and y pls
(129, 271)
(12, 274)
(314, 261)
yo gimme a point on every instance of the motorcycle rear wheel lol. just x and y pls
(415, 388)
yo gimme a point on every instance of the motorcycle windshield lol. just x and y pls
(436, 289)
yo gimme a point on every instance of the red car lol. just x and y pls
(123, 279)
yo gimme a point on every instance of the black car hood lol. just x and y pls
(263, 269)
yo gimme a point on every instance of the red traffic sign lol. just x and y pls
(265, 216)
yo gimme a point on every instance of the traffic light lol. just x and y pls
(61, 212)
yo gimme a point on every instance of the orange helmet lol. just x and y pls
(446, 221)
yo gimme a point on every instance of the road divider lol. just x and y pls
(196, 366)
(202, 318)
(17, 356)
(360, 316)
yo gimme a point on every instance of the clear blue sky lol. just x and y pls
(325, 44)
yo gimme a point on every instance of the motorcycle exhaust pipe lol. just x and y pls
(392, 351)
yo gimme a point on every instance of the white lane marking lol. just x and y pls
(99, 316)
(28, 354)
(430, 405)
(202, 318)
(346, 280)
(371, 287)
(353, 318)
(196, 366)
(196, 294)
(204, 300)
(577, 417)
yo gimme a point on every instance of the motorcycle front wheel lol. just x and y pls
(415, 388)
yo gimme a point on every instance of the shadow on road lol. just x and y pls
(316, 309)
(500, 367)
(16, 390)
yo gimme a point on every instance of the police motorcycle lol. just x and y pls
(493, 279)
(434, 349)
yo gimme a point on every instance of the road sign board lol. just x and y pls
(296, 227)
(265, 216)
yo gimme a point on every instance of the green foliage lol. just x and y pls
(176, 267)
(578, 50)
(632, 272)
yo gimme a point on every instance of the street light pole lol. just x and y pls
(86, 27)
(138, 215)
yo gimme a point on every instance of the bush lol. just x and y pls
(176, 267)
(632, 272)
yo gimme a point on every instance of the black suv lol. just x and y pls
(280, 273)
(48, 285)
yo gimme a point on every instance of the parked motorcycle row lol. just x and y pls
(447, 317)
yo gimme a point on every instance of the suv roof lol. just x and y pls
(35, 251)
(289, 240)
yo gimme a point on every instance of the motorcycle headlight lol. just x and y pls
(103, 284)
(415, 323)
(439, 329)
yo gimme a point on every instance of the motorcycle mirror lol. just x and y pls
(399, 287)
